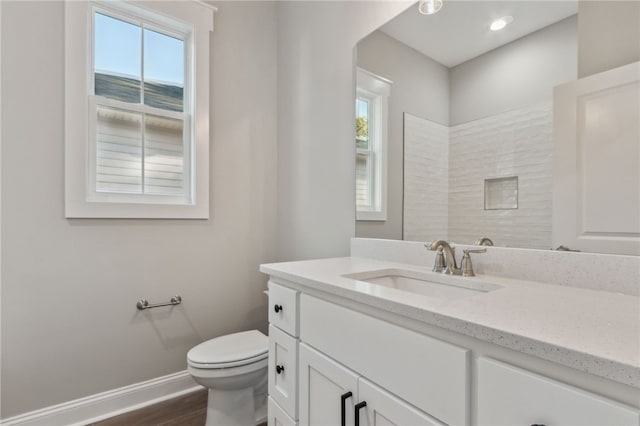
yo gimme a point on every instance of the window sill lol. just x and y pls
(87, 210)
(371, 216)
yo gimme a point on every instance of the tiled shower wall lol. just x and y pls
(426, 181)
(515, 143)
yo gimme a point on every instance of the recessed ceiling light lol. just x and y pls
(429, 7)
(500, 23)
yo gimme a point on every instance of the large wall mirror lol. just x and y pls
(455, 129)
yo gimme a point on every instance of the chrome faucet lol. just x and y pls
(448, 265)
(451, 266)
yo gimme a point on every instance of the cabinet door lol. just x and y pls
(511, 396)
(322, 384)
(385, 409)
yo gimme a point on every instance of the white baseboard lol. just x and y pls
(108, 404)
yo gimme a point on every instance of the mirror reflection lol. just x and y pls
(455, 127)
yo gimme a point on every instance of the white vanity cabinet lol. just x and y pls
(338, 358)
(306, 386)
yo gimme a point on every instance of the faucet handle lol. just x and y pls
(484, 250)
(440, 264)
(467, 266)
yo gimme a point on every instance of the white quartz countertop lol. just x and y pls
(593, 331)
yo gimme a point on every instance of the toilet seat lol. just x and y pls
(228, 351)
(237, 363)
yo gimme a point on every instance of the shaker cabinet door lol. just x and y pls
(323, 382)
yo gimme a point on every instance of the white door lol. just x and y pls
(385, 409)
(596, 162)
(323, 383)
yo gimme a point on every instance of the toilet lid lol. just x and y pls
(247, 346)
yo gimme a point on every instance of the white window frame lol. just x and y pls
(192, 21)
(376, 91)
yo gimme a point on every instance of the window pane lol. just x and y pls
(362, 123)
(363, 190)
(117, 59)
(163, 156)
(119, 151)
(163, 71)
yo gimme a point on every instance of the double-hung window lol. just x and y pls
(371, 146)
(137, 109)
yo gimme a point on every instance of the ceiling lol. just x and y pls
(460, 31)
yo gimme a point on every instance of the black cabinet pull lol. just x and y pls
(279, 368)
(343, 416)
(277, 308)
(359, 405)
(538, 424)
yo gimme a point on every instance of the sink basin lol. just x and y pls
(430, 284)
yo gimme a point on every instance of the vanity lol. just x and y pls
(364, 341)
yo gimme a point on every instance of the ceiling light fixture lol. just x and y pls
(500, 23)
(429, 7)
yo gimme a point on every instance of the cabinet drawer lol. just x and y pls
(283, 308)
(283, 370)
(428, 373)
(277, 416)
(508, 396)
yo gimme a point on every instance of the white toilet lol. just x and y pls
(234, 369)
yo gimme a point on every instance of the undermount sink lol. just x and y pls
(430, 284)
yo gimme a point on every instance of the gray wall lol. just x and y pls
(69, 287)
(316, 156)
(609, 33)
(420, 87)
(517, 74)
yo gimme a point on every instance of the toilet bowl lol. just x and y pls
(234, 369)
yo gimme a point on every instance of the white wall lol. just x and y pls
(517, 74)
(426, 180)
(445, 170)
(609, 33)
(514, 143)
(420, 87)
(316, 91)
(69, 287)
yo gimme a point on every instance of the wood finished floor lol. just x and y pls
(187, 410)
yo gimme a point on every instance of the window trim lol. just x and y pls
(80, 202)
(376, 90)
